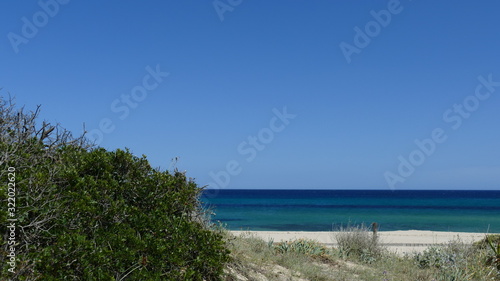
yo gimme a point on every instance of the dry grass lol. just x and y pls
(357, 241)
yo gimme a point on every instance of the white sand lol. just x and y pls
(397, 241)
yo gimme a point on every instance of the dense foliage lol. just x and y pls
(85, 213)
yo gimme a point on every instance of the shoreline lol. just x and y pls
(401, 241)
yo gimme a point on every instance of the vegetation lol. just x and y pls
(85, 213)
(256, 259)
(301, 246)
(357, 241)
(493, 242)
(454, 261)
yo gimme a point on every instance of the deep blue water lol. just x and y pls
(326, 210)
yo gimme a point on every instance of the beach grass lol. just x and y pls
(357, 241)
(256, 259)
(253, 258)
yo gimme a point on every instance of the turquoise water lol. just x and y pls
(326, 210)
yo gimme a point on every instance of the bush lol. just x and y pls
(90, 214)
(302, 246)
(435, 257)
(455, 260)
(358, 242)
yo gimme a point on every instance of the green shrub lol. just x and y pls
(434, 257)
(302, 246)
(491, 242)
(454, 260)
(483, 243)
(494, 259)
(92, 214)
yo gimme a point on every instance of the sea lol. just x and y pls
(329, 210)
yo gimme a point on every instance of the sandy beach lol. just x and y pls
(397, 241)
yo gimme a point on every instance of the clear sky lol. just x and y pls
(271, 94)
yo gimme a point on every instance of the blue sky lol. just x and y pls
(273, 72)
